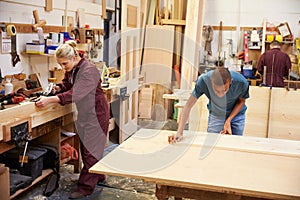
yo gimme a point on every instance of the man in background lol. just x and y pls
(277, 65)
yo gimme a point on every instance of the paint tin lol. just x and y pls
(54, 37)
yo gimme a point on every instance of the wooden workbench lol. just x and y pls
(208, 165)
(45, 125)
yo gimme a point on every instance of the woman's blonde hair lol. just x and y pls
(67, 50)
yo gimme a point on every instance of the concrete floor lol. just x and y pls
(114, 188)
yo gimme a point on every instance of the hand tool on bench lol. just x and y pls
(27, 139)
(289, 80)
(46, 92)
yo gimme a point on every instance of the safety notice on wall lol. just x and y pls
(5, 43)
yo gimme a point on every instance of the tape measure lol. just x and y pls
(11, 30)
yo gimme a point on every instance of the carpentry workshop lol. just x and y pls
(150, 100)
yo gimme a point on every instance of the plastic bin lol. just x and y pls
(32, 167)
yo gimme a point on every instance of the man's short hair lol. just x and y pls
(275, 43)
(221, 76)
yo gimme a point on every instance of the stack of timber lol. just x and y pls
(152, 105)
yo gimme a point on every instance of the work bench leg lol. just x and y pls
(77, 163)
(161, 192)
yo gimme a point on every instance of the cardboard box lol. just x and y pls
(35, 48)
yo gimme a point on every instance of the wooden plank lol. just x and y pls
(28, 28)
(234, 28)
(158, 55)
(160, 106)
(144, 18)
(151, 13)
(246, 161)
(178, 16)
(198, 119)
(192, 41)
(173, 22)
(48, 5)
(178, 94)
(257, 112)
(145, 103)
(284, 114)
(104, 16)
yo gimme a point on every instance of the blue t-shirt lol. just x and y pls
(222, 106)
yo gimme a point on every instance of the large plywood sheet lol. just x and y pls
(257, 112)
(235, 164)
(158, 55)
(284, 114)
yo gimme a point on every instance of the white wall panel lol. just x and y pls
(17, 13)
(73, 5)
(27, 2)
(20, 11)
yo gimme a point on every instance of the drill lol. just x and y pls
(10, 98)
(13, 100)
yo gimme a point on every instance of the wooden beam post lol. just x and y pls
(191, 46)
(104, 16)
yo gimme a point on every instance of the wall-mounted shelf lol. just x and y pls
(36, 54)
(28, 28)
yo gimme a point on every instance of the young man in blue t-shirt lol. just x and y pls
(227, 92)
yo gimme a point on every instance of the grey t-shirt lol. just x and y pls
(222, 106)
